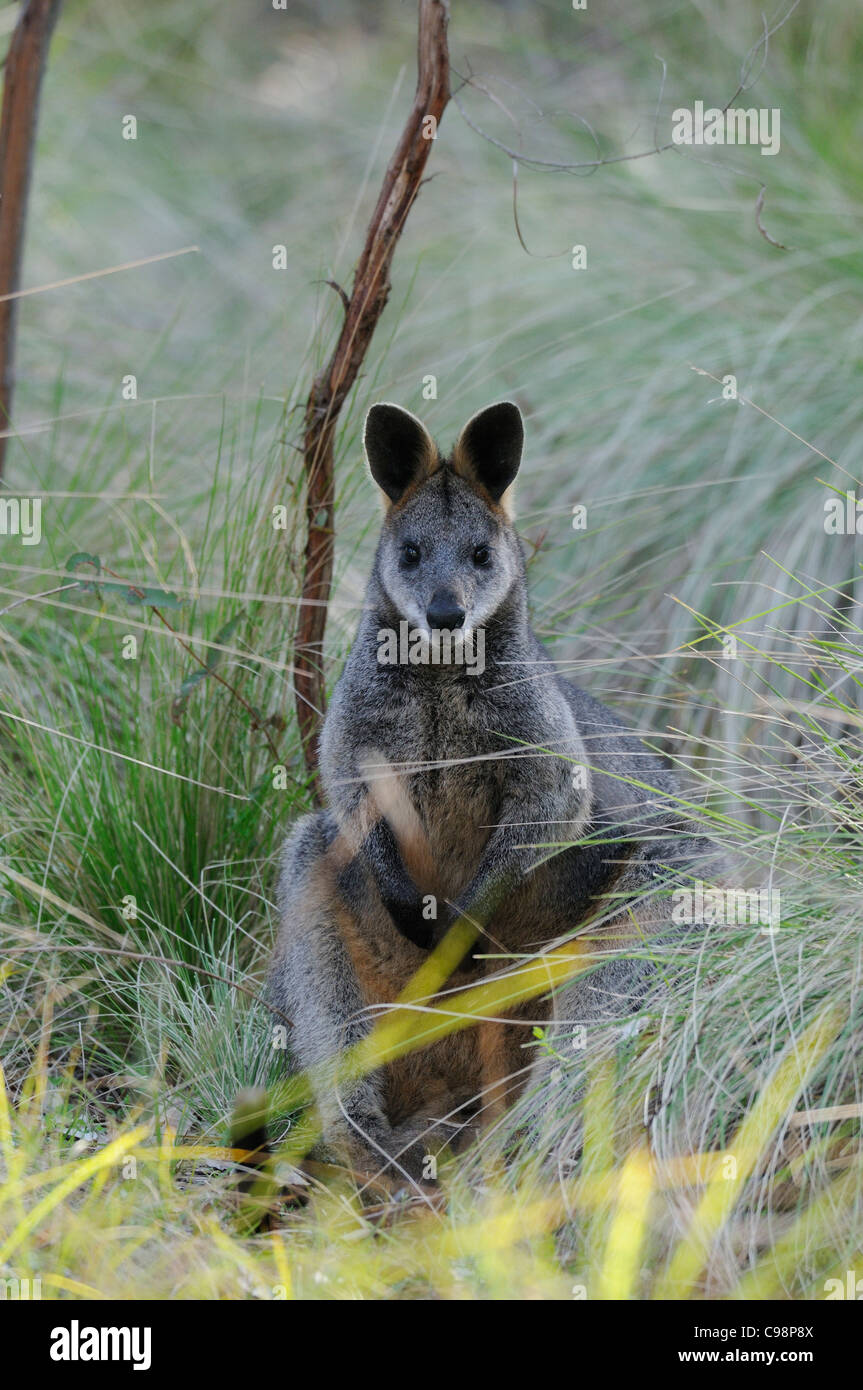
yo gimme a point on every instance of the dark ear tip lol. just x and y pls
(383, 415)
(511, 409)
(505, 414)
(375, 415)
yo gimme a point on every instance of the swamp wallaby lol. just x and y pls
(485, 789)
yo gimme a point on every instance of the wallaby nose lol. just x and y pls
(444, 611)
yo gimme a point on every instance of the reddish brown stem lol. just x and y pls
(25, 64)
(366, 304)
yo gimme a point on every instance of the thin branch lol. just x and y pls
(748, 76)
(256, 720)
(25, 64)
(334, 285)
(760, 225)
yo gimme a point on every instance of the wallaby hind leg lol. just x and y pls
(312, 981)
(505, 1059)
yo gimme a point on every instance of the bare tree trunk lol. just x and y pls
(25, 64)
(366, 304)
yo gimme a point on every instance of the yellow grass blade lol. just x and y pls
(620, 1268)
(760, 1123)
(83, 1170)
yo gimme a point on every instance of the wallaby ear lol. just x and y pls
(488, 451)
(399, 449)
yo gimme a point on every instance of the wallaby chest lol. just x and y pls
(455, 775)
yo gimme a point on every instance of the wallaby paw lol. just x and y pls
(408, 919)
(414, 1146)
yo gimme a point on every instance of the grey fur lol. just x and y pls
(479, 767)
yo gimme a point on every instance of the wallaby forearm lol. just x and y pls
(399, 894)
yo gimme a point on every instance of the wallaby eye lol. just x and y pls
(481, 555)
(410, 554)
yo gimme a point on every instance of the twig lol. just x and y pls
(334, 285)
(760, 225)
(257, 722)
(747, 79)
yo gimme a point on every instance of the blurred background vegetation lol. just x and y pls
(258, 128)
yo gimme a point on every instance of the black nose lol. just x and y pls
(444, 610)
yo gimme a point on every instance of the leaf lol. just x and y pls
(153, 598)
(133, 593)
(223, 637)
(214, 656)
(194, 679)
(83, 557)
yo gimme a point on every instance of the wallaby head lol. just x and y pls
(448, 555)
